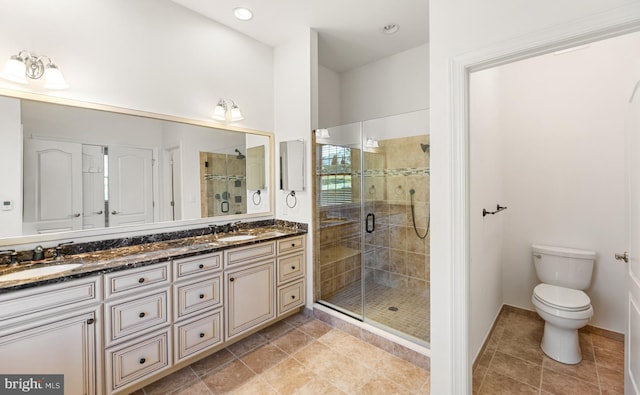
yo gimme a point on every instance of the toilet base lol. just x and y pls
(561, 344)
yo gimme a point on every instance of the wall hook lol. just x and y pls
(499, 208)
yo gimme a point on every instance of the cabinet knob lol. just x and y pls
(201, 335)
(141, 315)
(201, 266)
(293, 296)
(141, 280)
(293, 268)
(142, 360)
(90, 321)
(293, 244)
(201, 296)
(231, 279)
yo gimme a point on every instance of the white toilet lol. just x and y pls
(560, 300)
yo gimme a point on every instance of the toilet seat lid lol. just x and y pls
(562, 298)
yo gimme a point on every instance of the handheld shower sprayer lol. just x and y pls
(413, 216)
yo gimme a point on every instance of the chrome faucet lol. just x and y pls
(233, 227)
(214, 229)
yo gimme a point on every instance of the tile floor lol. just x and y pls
(299, 355)
(513, 362)
(412, 314)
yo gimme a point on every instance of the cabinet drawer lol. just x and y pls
(291, 297)
(50, 298)
(135, 316)
(190, 267)
(129, 281)
(196, 296)
(137, 360)
(242, 255)
(197, 335)
(290, 267)
(291, 244)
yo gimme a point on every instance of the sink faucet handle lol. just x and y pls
(58, 250)
(13, 255)
(234, 226)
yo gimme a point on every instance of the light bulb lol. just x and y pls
(53, 78)
(14, 70)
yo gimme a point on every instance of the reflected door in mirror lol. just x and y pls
(51, 170)
(130, 186)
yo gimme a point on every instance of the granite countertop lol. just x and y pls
(104, 261)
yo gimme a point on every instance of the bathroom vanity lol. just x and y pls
(131, 315)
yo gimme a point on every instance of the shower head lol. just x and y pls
(240, 156)
(425, 147)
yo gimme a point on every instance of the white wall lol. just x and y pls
(329, 105)
(10, 158)
(459, 27)
(486, 165)
(390, 86)
(295, 81)
(148, 55)
(565, 168)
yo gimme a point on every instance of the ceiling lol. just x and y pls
(349, 30)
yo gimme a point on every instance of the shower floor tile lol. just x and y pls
(398, 309)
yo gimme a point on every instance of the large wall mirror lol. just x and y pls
(91, 169)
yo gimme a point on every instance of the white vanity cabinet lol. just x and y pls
(116, 332)
(137, 325)
(198, 302)
(291, 270)
(54, 329)
(250, 287)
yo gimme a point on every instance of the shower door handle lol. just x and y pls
(370, 223)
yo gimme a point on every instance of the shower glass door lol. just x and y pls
(372, 206)
(395, 198)
(339, 213)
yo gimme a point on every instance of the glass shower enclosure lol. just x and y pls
(372, 222)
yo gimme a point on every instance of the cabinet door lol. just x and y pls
(62, 345)
(250, 297)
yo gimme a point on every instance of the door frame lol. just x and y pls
(607, 24)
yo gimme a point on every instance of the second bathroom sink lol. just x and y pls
(38, 272)
(236, 238)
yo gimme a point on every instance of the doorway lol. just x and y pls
(547, 140)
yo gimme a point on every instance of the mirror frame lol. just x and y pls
(143, 229)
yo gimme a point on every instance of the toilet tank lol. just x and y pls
(565, 267)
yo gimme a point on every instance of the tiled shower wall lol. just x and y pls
(394, 254)
(224, 179)
(339, 256)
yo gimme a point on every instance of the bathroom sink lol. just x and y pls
(237, 238)
(38, 272)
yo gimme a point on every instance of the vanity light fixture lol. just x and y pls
(221, 110)
(28, 65)
(242, 13)
(371, 143)
(323, 133)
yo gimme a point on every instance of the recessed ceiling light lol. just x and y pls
(391, 28)
(242, 13)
